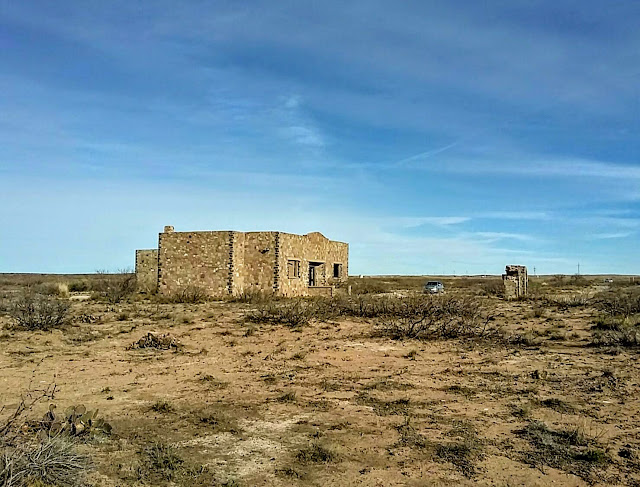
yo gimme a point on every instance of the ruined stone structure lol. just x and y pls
(231, 263)
(515, 281)
(147, 270)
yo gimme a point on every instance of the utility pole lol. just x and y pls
(578, 268)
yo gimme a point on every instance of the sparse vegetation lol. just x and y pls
(32, 311)
(316, 453)
(283, 400)
(568, 450)
(113, 288)
(158, 342)
(53, 461)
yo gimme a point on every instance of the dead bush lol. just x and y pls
(567, 450)
(622, 302)
(114, 287)
(291, 313)
(492, 288)
(623, 335)
(189, 295)
(431, 317)
(157, 342)
(52, 461)
(38, 312)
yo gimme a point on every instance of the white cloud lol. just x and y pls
(607, 236)
(306, 136)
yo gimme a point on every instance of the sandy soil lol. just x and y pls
(243, 400)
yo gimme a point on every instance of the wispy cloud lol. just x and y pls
(607, 236)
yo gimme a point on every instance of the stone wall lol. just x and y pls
(147, 270)
(515, 281)
(313, 249)
(227, 262)
(259, 261)
(200, 259)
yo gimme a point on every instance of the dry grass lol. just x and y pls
(330, 399)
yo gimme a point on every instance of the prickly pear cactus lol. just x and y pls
(75, 421)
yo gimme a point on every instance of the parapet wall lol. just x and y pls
(147, 270)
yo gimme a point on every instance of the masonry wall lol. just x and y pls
(313, 247)
(147, 270)
(226, 262)
(199, 259)
(515, 281)
(259, 261)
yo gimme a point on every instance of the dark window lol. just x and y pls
(337, 271)
(293, 268)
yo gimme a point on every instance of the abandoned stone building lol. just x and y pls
(231, 263)
(516, 281)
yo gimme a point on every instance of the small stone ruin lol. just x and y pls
(515, 281)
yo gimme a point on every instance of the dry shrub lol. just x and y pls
(163, 463)
(492, 288)
(254, 297)
(432, 317)
(368, 286)
(622, 302)
(60, 289)
(316, 453)
(38, 312)
(157, 342)
(568, 450)
(114, 287)
(293, 313)
(52, 461)
(188, 295)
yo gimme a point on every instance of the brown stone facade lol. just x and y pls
(515, 281)
(223, 263)
(147, 270)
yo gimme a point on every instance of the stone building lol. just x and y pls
(515, 281)
(231, 263)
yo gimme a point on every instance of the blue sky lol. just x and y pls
(433, 136)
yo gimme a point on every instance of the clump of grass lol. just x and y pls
(299, 355)
(287, 397)
(463, 453)
(558, 405)
(113, 287)
(52, 461)
(316, 453)
(213, 383)
(410, 437)
(568, 450)
(162, 406)
(384, 408)
(162, 463)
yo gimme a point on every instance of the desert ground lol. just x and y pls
(351, 391)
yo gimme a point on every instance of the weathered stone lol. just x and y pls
(515, 281)
(231, 263)
(147, 270)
